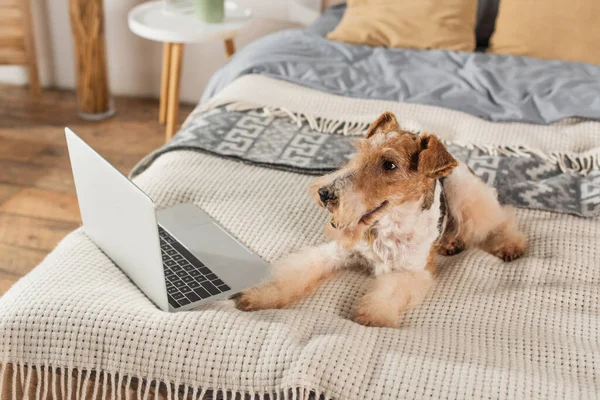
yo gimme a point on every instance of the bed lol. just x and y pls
(284, 109)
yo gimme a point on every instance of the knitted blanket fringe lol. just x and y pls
(40, 382)
(581, 163)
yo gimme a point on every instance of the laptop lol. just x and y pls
(179, 257)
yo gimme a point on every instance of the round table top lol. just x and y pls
(150, 20)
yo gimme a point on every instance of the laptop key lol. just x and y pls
(171, 290)
(202, 293)
(188, 279)
(168, 272)
(169, 263)
(179, 283)
(195, 273)
(171, 252)
(183, 302)
(211, 277)
(224, 288)
(165, 247)
(194, 284)
(192, 296)
(212, 289)
(182, 274)
(178, 296)
(168, 238)
(177, 257)
(186, 290)
(173, 302)
(205, 271)
(176, 268)
(217, 282)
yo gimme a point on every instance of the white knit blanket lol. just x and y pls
(488, 329)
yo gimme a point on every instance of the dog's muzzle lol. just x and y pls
(326, 195)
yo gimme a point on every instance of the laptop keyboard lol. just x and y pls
(188, 280)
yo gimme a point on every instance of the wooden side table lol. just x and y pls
(150, 20)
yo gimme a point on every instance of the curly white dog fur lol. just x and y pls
(401, 199)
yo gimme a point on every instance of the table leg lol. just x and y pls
(229, 47)
(174, 81)
(164, 82)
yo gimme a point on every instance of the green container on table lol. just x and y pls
(212, 11)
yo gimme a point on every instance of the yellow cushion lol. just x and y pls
(555, 29)
(418, 24)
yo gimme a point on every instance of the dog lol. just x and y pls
(400, 200)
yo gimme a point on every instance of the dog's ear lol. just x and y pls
(385, 123)
(434, 159)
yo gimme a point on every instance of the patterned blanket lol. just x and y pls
(523, 177)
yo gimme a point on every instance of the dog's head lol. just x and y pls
(391, 167)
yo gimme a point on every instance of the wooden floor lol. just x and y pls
(38, 206)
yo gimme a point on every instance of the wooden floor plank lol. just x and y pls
(31, 232)
(6, 281)
(20, 149)
(6, 191)
(45, 204)
(130, 138)
(25, 174)
(18, 261)
(17, 151)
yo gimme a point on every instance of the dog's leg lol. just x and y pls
(506, 241)
(493, 228)
(450, 243)
(390, 295)
(480, 220)
(294, 277)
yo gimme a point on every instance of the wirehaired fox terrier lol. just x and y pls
(401, 199)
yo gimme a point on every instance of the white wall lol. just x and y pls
(135, 63)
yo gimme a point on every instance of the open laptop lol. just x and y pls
(178, 256)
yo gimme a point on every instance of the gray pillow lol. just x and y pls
(487, 10)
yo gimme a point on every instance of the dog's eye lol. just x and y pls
(389, 166)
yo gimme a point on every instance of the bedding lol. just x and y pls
(490, 86)
(417, 24)
(487, 330)
(528, 329)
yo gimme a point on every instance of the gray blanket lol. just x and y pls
(493, 87)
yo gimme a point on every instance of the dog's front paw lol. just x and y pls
(254, 299)
(370, 316)
(262, 297)
(451, 247)
(244, 302)
(510, 251)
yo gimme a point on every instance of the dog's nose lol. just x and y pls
(325, 195)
